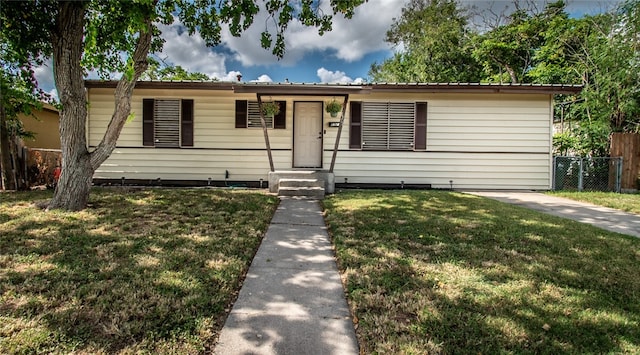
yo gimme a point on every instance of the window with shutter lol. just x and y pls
(248, 115)
(390, 126)
(167, 123)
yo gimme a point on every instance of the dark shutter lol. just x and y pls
(186, 129)
(241, 113)
(355, 125)
(280, 120)
(147, 122)
(420, 142)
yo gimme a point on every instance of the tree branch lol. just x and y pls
(122, 94)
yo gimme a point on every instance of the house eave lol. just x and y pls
(200, 85)
(477, 88)
(301, 89)
(320, 89)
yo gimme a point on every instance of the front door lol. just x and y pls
(307, 135)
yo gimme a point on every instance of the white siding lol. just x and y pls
(213, 119)
(466, 171)
(480, 141)
(188, 164)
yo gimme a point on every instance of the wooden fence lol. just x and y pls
(627, 146)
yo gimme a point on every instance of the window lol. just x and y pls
(167, 123)
(248, 115)
(388, 126)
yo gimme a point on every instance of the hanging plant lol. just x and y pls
(270, 108)
(333, 107)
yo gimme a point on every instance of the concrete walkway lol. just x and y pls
(292, 301)
(603, 217)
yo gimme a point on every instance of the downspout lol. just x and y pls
(335, 148)
(266, 135)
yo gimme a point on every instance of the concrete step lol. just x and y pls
(307, 191)
(323, 177)
(297, 174)
(300, 183)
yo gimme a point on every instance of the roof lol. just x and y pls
(49, 107)
(336, 89)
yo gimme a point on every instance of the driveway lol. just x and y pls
(602, 217)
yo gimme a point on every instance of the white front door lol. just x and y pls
(307, 135)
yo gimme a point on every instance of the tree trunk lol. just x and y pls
(74, 185)
(78, 165)
(8, 176)
(123, 93)
(266, 135)
(512, 74)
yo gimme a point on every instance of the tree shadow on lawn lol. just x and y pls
(446, 272)
(150, 270)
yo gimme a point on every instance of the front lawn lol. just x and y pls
(443, 272)
(142, 271)
(623, 202)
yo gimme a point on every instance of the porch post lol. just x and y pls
(266, 135)
(335, 148)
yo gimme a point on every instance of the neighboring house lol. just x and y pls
(40, 156)
(45, 127)
(465, 136)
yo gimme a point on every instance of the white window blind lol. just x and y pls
(387, 125)
(167, 123)
(253, 116)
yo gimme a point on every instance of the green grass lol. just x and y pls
(443, 272)
(624, 202)
(141, 271)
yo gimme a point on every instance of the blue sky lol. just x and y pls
(343, 55)
(313, 62)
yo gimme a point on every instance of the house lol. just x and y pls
(40, 155)
(454, 135)
(44, 124)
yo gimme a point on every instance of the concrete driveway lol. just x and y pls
(602, 217)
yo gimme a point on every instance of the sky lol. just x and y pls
(343, 55)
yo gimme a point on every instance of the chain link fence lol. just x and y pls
(587, 174)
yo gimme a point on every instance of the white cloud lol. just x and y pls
(364, 33)
(336, 77)
(191, 53)
(230, 76)
(248, 50)
(264, 78)
(349, 40)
